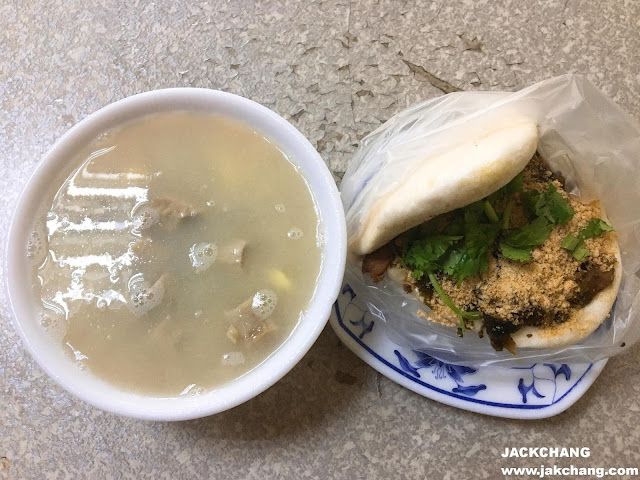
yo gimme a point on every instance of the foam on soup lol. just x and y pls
(179, 253)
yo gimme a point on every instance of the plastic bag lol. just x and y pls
(583, 135)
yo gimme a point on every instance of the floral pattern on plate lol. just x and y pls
(537, 391)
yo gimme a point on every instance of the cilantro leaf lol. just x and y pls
(575, 245)
(422, 255)
(453, 260)
(557, 209)
(474, 213)
(549, 204)
(479, 237)
(470, 258)
(517, 245)
(530, 235)
(570, 242)
(471, 266)
(512, 253)
(580, 252)
(515, 185)
(529, 201)
(460, 264)
(595, 228)
(446, 253)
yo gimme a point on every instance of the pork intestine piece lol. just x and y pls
(166, 212)
(143, 298)
(251, 320)
(232, 252)
(202, 256)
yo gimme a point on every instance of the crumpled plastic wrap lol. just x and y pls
(583, 135)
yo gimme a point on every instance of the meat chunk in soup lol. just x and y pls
(166, 212)
(232, 252)
(251, 320)
(144, 298)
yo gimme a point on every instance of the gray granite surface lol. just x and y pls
(336, 69)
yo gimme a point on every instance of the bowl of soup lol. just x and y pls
(175, 254)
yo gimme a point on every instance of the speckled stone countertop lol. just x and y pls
(337, 69)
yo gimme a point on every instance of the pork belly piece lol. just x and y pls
(377, 262)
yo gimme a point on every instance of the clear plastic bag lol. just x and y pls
(583, 135)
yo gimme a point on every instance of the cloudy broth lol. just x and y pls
(178, 255)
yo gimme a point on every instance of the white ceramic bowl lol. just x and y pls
(50, 356)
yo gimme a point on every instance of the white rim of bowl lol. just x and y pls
(97, 392)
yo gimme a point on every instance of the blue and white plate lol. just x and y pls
(538, 391)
